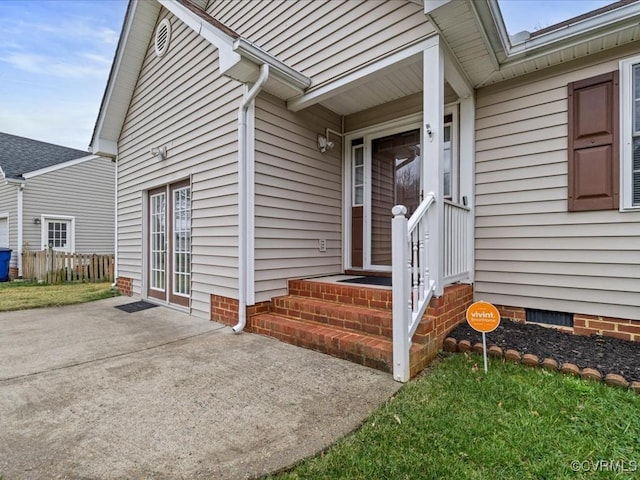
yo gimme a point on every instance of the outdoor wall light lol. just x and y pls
(36, 221)
(324, 144)
(159, 151)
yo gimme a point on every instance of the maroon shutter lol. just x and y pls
(593, 143)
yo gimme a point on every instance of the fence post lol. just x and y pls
(400, 260)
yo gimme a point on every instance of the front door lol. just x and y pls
(169, 245)
(385, 172)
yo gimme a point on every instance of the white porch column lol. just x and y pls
(467, 173)
(433, 165)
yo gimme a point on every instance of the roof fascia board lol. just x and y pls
(610, 22)
(483, 33)
(14, 181)
(59, 166)
(322, 92)
(223, 42)
(109, 146)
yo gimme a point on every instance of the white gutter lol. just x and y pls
(246, 184)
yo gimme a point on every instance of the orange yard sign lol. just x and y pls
(483, 317)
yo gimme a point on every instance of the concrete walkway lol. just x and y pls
(89, 391)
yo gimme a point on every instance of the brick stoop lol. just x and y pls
(354, 322)
(345, 321)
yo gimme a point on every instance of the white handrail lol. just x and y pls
(412, 285)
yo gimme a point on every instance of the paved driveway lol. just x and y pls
(89, 391)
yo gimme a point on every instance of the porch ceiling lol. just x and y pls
(384, 86)
(381, 87)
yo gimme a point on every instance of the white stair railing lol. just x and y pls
(456, 255)
(412, 284)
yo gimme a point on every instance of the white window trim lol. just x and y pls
(44, 231)
(626, 132)
(6, 216)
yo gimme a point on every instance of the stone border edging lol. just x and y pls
(452, 345)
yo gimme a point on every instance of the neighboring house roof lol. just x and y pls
(20, 155)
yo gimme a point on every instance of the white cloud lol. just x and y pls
(45, 65)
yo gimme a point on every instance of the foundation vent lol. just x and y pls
(547, 317)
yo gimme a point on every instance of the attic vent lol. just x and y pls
(163, 35)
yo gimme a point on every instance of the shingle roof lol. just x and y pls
(19, 155)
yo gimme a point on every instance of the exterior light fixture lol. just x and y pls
(324, 144)
(159, 151)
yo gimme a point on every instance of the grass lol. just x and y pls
(23, 295)
(513, 423)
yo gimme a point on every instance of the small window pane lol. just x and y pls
(359, 196)
(358, 157)
(359, 180)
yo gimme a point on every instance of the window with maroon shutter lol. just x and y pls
(593, 143)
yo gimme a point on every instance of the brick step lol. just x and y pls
(350, 294)
(370, 350)
(347, 316)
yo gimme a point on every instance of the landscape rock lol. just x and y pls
(591, 374)
(464, 345)
(570, 369)
(550, 364)
(513, 356)
(616, 380)
(450, 344)
(530, 359)
(494, 351)
(478, 348)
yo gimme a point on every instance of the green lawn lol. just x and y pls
(23, 295)
(516, 422)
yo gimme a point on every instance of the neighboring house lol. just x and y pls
(259, 143)
(55, 196)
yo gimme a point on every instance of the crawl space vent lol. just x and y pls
(549, 318)
(163, 35)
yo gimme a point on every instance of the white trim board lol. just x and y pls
(60, 166)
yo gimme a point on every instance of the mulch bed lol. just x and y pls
(606, 354)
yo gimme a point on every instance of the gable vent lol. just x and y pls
(163, 36)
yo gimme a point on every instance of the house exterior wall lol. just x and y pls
(84, 191)
(324, 39)
(181, 101)
(9, 204)
(530, 251)
(298, 196)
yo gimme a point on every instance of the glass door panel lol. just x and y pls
(395, 180)
(157, 245)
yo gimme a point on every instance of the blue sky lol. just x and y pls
(55, 57)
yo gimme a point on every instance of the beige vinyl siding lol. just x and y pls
(298, 196)
(9, 204)
(181, 101)
(84, 191)
(530, 251)
(323, 39)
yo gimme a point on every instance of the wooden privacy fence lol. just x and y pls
(50, 266)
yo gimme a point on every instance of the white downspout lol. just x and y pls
(246, 159)
(20, 233)
(115, 226)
